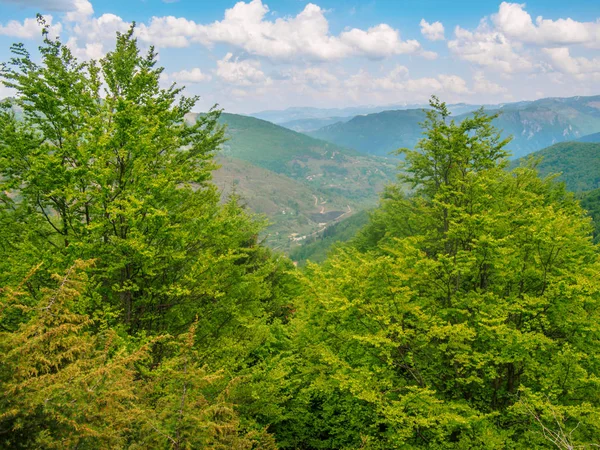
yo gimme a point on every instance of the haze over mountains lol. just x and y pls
(301, 184)
(305, 183)
(532, 124)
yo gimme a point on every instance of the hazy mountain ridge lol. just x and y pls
(533, 126)
(313, 124)
(590, 138)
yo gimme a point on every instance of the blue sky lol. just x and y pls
(262, 54)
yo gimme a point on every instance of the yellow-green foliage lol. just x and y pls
(68, 382)
(464, 316)
(468, 315)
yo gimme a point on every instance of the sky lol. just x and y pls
(253, 55)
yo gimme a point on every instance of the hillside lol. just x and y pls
(578, 163)
(542, 123)
(590, 138)
(291, 207)
(317, 248)
(533, 125)
(301, 184)
(376, 134)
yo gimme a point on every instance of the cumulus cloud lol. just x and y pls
(397, 84)
(318, 77)
(580, 67)
(482, 85)
(489, 48)
(306, 35)
(187, 76)
(29, 28)
(432, 31)
(453, 84)
(91, 50)
(242, 73)
(516, 23)
(81, 10)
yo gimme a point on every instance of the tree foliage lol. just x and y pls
(166, 296)
(463, 307)
(136, 311)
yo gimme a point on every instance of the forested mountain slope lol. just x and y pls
(376, 134)
(578, 164)
(533, 126)
(301, 184)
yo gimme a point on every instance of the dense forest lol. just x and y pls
(139, 311)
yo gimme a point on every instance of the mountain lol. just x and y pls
(308, 125)
(302, 184)
(590, 138)
(300, 113)
(577, 162)
(591, 201)
(376, 134)
(533, 125)
(285, 116)
(539, 124)
(289, 205)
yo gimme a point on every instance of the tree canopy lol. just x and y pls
(138, 311)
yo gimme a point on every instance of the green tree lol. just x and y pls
(104, 165)
(463, 306)
(68, 382)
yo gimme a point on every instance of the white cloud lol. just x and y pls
(516, 23)
(82, 9)
(580, 67)
(489, 48)
(398, 86)
(432, 31)
(188, 76)
(305, 35)
(242, 73)
(318, 76)
(5, 92)
(484, 86)
(103, 28)
(453, 84)
(91, 50)
(30, 28)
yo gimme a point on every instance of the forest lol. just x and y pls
(139, 311)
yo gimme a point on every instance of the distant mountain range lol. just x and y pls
(307, 183)
(533, 125)
(590, 138)
(295, 115)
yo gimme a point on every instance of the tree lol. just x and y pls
(180, 298)
(460, 304)
(68, 382)
(104, 164)
(63, 386)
